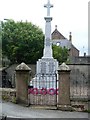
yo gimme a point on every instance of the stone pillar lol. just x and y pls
(64, 87)
(22, 77)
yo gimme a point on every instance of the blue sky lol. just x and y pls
(68, 15)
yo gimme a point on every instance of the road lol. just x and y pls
(18, 111)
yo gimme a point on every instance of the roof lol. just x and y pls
(60, 40)
(57, 35)
(74, 47)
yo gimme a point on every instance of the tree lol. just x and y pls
(59, 53)
(22, 41)
(0, 45)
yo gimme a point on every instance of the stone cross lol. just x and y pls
(48, 6)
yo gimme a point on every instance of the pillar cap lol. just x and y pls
(23, 67)
(64, 67)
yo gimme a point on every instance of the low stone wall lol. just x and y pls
(8, 94)
(79, 105)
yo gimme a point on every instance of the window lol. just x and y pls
(58, 43)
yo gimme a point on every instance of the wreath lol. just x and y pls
(30, 90)
(43, 91)
(34, 91)
(51, 91)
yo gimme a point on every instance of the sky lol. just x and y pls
(68, 15)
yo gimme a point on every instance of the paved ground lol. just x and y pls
(17, 111)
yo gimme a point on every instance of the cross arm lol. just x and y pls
(46, 5)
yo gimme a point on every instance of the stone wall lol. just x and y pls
(11, 72)
(79, 105)
(80, 60)
(8, 94)
(79, 80)
(79, 77)
(83, 68)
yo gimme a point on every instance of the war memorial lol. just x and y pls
(45, 80)
(51, 87)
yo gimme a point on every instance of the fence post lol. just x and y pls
(22, 77)
(64, 87)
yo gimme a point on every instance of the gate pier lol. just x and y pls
(64, 88)
(22, 78)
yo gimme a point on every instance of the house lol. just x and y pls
(59, 40)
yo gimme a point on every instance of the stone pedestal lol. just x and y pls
(64, 87)
(46, 72)
(22, 77)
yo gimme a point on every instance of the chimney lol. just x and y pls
(70, 36)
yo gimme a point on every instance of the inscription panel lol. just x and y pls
(51, 67)
(43, 67)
